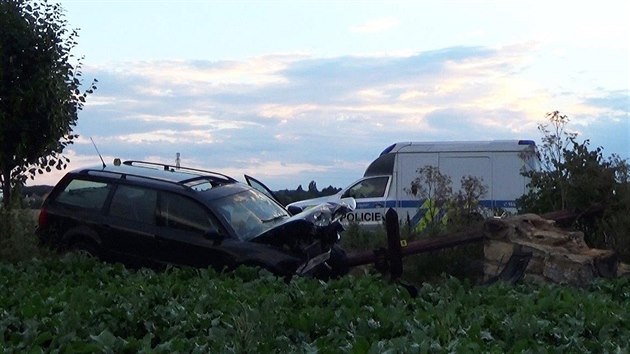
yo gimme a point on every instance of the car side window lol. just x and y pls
(84, 194)
(368, 188)
(134, 203)
(179, 212)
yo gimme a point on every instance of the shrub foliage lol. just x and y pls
(40, 90)
(17, 235)
(578, 178)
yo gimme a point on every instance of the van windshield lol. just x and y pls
(383, 165)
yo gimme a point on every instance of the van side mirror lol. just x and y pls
(349, 203)
(294, 210)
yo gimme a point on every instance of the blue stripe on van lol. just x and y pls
(415, 215)
(416, 203)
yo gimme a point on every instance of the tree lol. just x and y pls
(465, 207)
(312, 188)
(40, 90)
(571, 176)
(578, 178)
(434, 189)
(555, 140)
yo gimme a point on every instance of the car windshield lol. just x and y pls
(250, 213)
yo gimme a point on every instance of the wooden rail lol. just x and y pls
(420, 246)
(474, 234)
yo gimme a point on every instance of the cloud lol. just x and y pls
(189, 118)
(615, 101)
(275, 168)
(169, 137)
(378, 25)
(285, 112)
(161, 78)
(295, 117)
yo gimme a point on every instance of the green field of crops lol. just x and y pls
(76, 305)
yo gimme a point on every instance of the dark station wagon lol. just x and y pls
(149, 214)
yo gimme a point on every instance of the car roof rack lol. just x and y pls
(173, 168)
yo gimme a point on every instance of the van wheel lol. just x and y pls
(84, 249)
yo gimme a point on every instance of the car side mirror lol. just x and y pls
(294, 210)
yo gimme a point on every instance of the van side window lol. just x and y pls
(368, 188)
(185, 214)
(84, 194)
(134, 203)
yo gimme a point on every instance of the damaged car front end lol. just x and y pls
(303, 244)
(312, 236)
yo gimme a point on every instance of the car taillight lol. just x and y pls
(43, 218)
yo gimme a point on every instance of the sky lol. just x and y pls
(294, 91)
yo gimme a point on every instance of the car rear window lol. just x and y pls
(84, 194)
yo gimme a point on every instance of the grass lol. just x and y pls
(18, 243)
(463, 262)
(17, 236)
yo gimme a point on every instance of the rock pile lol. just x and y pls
(557, 256)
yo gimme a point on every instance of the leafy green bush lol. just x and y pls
(17, 235)
(355, 238)
(446, 213)
(463, 262)
(462, 211)
(79, 305)
(574, 177)
(435, 190)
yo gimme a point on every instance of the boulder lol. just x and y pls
(557, 255)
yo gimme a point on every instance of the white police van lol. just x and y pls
(387, 179)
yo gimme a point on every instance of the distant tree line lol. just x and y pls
(287, 196)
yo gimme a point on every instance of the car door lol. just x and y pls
(261, 187)
(131, 226)
(370, 195)
(78, 207)
(189, 234)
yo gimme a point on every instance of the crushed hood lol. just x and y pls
(310, 225)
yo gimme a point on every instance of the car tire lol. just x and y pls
(84, 249)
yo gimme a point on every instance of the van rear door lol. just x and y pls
(465, 164)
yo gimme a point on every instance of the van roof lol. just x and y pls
(384, 164)
(457, 146)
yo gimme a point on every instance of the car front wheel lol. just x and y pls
(84, 249)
